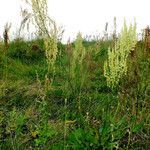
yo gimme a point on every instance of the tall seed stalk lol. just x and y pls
(115, 32)
(78, 56)
(6, 45)
(76, 68)
(46, 29)
(115, 67)
(78, 72)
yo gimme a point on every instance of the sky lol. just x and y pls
(86, 16)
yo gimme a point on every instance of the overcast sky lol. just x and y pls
(86, 16)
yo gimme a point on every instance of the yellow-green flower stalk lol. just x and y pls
(46, 28)
(78, 54)
(115, 67)
(51, 52)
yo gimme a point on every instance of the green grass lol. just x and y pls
(42, 114)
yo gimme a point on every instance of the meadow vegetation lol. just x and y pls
(86, 94)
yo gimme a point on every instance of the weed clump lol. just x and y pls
(116, 65)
